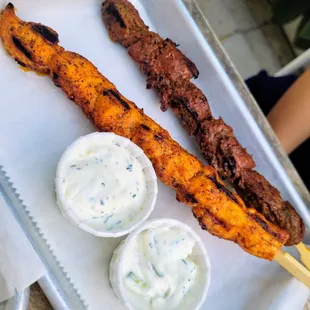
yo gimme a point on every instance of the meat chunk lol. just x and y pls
(78, 78)
(187, 101)
(114, 113)
(145, 51)
(160, 59)
(173, 63)
(257, 192)
(31, 44)
(215, 214)
(223, 151)
(123, 22)
(173, 165)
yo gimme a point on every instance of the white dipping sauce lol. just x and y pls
(103, 182)
(157, 271)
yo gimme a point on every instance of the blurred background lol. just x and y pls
(260, 34)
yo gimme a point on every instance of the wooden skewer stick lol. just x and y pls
(304, 254)
(294, 267)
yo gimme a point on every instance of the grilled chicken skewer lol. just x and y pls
(169, 72)
(219, 211)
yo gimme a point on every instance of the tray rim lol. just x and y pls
(58, 290)
(66, 291)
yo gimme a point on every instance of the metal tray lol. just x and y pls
(56, 284)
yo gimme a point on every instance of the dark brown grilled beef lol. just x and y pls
(145, 51)
(222, 150)
(258, 193)
(168, 72)
(123, 22)
(173, 63)
(158, 58)
(186, 100)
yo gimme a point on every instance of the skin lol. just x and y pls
(290, 117)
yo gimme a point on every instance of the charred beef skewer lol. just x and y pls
(169, 72)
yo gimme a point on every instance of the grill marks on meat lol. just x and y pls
(160, 59)
(172, 63)
(220, 147)
(29, 47)
(118, 97)
(166, 155)
(221, 187)
(20, 46)
(259, 193)
(169, 72)
(145, 51)
(46, 32)
(222, 150)
(213, 217)
(123, 22)
(188, 102)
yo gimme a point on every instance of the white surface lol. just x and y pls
(39, 123)
(200, 256)
(20, 266)
(98, 228)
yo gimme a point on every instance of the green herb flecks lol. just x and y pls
(132, 276)
(159, 274)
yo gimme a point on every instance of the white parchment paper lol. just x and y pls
(37, 123)
(20, 265)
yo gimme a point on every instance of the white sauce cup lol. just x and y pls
(148, 170)
(200, 257)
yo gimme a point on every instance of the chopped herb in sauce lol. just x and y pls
(132, 276)
(159, 274)
(160, 259)
(166, 294)
(98, 184)
(107, 219)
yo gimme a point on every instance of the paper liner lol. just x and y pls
(24, 215)
(137, 153)
(115, 272)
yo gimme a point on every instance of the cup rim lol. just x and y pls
(159, 222)
(69, 213)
